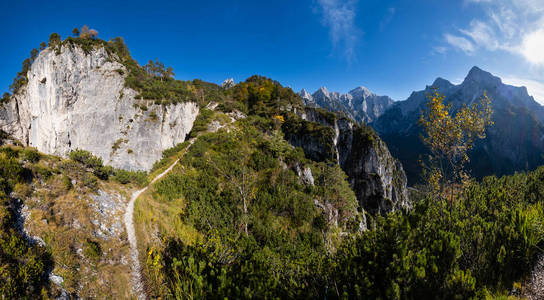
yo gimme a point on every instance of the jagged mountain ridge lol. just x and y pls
(513, 143)
(359, 104)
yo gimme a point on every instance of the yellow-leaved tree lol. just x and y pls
(449, 137)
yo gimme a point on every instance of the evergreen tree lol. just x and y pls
(170, 72)
(34, 54)
(54, 39)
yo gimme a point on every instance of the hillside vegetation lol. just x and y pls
(235, 220)
(245, 215)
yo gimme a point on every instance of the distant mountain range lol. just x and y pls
(514, 143)
(359, 104)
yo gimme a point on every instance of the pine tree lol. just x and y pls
(54, 39)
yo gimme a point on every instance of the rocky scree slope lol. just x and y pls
(78, 100)
(377, 178)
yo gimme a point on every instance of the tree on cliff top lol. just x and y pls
(87, 33)
(54, 39)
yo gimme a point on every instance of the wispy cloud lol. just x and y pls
(460, 42)
(439, 50)
(388, 18)
(514, 26)
(339, 17)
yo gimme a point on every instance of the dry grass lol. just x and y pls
(153, 216)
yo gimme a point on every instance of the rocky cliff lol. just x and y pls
(78, 100)
(378, 179)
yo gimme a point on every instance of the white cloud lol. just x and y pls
(339, 17)
(460, 42)
(535, 88)
(514, 26)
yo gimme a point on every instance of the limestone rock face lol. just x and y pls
(376, 177)
(77, 100)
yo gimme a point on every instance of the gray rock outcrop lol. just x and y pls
(378, 179)
(77, 100)
(228, 83)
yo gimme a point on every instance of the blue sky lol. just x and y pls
(391, 47)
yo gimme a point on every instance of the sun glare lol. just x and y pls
(532, 47)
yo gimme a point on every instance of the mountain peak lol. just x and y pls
(442, 83)
(305, 95)
(361, 91)
(480, 76)
(322, 91)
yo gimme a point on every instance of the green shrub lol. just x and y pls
(201, 122)
(41, 171)
(103, 172)
(90, 181)
(86, 158)
(66, 182)
(138, 178)
(30, 155)
(10, 152)
(167, 154)
(92, 250)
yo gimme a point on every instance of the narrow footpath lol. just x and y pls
(137, 284)
(535, 290)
